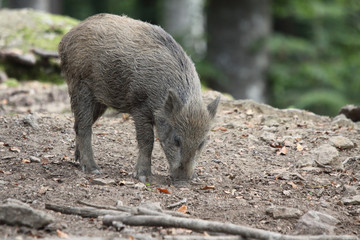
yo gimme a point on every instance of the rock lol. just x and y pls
(316, 223)
(341, 142)
(350, 190)
(15, 213)
(31, 120)
(268, 137)
(155, 206)
(283, 212)
(327, 155)
(351, 111)
(103, 181)
(34, 159)
(140, 186)
(355, 200)
(342, 121)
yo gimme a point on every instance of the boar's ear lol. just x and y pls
(212, 107)
(173, 103)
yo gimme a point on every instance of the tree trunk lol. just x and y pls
(53, 6)
(185, 21)
(237, 32)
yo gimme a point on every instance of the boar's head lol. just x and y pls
(182, 130)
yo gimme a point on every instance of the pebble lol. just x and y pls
(103, 181)
(354, 200)
(283, 212)
(35, 159)
(341, 142)
(140, 186)
(316, 223)
(327, 155)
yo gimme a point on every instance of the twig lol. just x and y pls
(190, 237)
(354, 158)
(213, 226)
(135, 210)
(119, 208)
(83, 211)
(181, 202)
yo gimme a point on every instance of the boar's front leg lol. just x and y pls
(86, 111)
(145, 138)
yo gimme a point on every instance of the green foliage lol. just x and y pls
(315, 54)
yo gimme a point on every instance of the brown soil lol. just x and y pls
(245, 172)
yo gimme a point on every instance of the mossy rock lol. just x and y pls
(27, 29)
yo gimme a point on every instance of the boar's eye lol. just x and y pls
(177, 141)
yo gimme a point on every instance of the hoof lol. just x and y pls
(95, 170)
(142, 177)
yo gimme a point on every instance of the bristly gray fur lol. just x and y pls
(135, 67)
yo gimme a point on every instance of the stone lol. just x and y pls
(351, 111)
(315, 223)
(343, 121)
(155, 206)
(31, 120)
(140, 186)
(341, 142)
(350, 190)
(103, 181)
(327, 155)
(283, 212)
(34, 159)
(15, 213)
(268, 137)
(354, 200)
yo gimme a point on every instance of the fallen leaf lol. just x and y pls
(282, 151)
(163, 190)
(43, 190)
(249, 112)
(292, 184)
(182, 209)
(299, 147)
(125, 116)
(26, 161)
(15, 149)
(66, 158)
(223, 129)
(208, 187)
(61, 234)
(102, 134)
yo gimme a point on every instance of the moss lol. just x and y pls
(11, 82)
(28, 29)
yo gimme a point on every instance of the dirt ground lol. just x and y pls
(254, 159)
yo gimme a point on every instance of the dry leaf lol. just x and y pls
(292, 184)
(299, 147)
(26, 161)
(163, 190)
(182, 209)
(61, 234)
(282, 151)
(15, 149)
(208, 187)
(102, 134)
(125, 116)
(43, 189)
(249, 112)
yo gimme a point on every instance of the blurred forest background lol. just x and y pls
(287, 53)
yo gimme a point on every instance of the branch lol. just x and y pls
(212, 226)
(83, 211)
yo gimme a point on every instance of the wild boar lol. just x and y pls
(136, 68)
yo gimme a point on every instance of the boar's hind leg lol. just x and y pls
(145, 139)
(86, 112)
